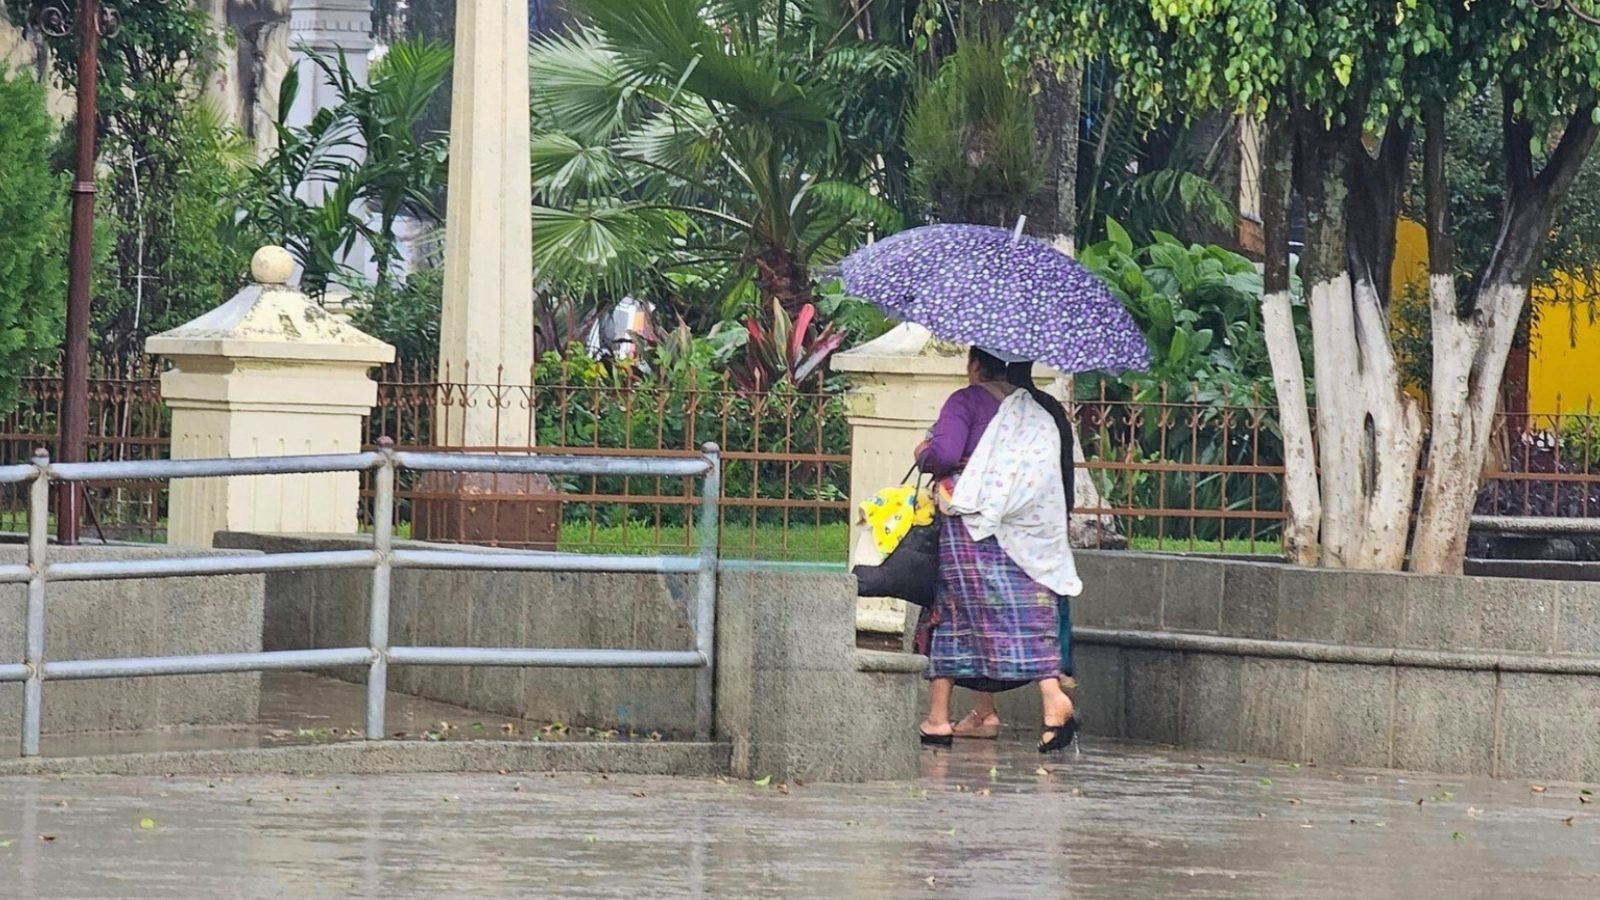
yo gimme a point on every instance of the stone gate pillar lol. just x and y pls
(268, 373)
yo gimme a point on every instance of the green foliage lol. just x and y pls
(33, 253)
(406, 316)
(1199, 308)
(971, 137)
(1120, 178)
(173, 254)
(315, 192)
(860, 320)
(784, 351)
(1208, 398)
(675, 133)
(168, 172)
(662, 402)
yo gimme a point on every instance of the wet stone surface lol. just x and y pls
(984, 821)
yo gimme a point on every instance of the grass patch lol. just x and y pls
(1230, 547)
(764, 543)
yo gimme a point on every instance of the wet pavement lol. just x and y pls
(984, 821)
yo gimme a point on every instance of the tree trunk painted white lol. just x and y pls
(1302, 500)
(1369, 431)
(1468, 365)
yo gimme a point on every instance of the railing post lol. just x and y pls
(705, 619)
(378, 615)
(38, 541)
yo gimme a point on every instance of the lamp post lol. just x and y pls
(1586, 10)
(91, 20)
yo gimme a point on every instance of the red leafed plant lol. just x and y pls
(787, 350)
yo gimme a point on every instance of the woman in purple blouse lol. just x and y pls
(991, 627)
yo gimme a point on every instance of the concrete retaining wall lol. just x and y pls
(1471, 675)
(150, 617)
(794, 696)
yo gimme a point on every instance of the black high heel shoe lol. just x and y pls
(1064, 735)
(935, 740)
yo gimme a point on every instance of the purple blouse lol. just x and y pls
(958, 429)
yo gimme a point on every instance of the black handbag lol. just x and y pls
(911, 570)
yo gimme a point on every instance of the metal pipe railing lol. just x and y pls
(383, 559)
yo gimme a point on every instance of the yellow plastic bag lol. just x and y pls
(892, 512)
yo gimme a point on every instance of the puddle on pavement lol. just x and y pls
(298, 708)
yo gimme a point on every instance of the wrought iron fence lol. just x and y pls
(1175, 469)
(1182, 469)
(785, 454)
(127, 421)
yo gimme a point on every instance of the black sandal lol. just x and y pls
(1063, 736)
(935, 740)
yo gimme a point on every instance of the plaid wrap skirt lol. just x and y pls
(991, 626)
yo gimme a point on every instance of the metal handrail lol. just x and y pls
(382, 560)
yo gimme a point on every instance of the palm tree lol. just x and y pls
(705, 131)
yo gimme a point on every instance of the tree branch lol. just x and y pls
(1436, 185)
(1518, 136)
(1576, 140)
(1277, 175)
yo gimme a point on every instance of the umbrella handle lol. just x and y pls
(1016, 233)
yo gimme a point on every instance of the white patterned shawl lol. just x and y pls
(1012, 489)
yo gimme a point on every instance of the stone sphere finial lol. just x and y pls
(271, 265)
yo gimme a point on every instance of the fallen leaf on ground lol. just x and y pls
(1539, 789)
(589, 839)
(763, 781)
(1585, 799)
(1041, 771)
(994, 772)
(1266, 782)
(1295, 801)
(4, 844)
(147, 824)
(951, 832)
(1570, 821)
(1457, 836)
(638, 793)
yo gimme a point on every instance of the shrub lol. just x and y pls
(33, 252)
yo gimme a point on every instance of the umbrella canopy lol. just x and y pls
(974, 284)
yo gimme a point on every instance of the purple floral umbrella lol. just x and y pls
(999, 290)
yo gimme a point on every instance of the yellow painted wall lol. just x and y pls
(1410, 259)
(1563, 375)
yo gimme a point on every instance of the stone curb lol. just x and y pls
(398, 757)
(1341, 653)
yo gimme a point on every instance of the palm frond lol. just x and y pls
(408, 75)
(578, 84)
(563, 166)
(601, 245)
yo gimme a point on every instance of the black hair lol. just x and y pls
(991, 367)
(1021, 375)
